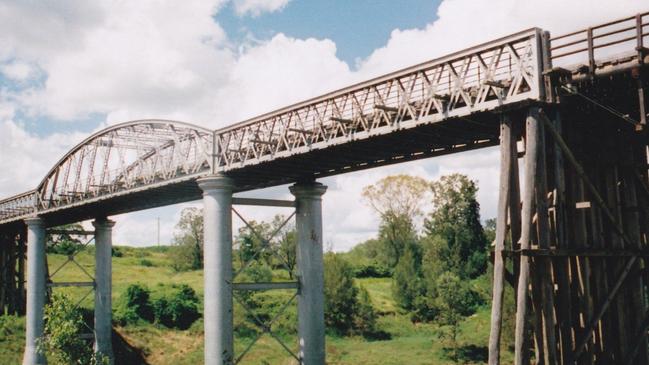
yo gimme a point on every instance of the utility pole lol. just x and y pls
(158, 231)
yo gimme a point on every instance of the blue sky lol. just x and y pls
(358, 27)
(68, 68)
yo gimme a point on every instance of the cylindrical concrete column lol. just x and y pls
(35, 291)
(217, 269)
(103, 288)
(310, 305)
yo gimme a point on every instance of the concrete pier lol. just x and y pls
(36, 279)
(217, 254)
(310, 305)
(103, 288)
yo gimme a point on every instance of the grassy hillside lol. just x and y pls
(409, 343)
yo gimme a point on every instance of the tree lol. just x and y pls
(286, 247)
(406, 284)
(456, 220)
(65, 244)
(454, 301)
(340, 294)
(188, 240)
(348, 310)
(252, 243)
(397, 199)
(278, 252)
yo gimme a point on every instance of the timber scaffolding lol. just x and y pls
(572, 232)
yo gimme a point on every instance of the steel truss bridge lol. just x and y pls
(574, 247)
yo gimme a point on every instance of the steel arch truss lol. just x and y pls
(126, 157)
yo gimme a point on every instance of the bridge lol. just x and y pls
(571, 107)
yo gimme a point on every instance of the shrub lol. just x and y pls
(373, 270)
(116, 252)
(65, 247)
(178, 310)
(62, 341)
(135, 305)
(145, 262)
(258, 273)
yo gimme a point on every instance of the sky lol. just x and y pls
(71, 67)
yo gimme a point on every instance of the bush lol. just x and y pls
(373, 270)
(65, 247)
(116, 252)
(178, 310)
(258, 273)
(145, 262)
(62, 341)
(135, 305)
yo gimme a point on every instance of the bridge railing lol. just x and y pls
(19, 205)
(481, 78)
(596, 44)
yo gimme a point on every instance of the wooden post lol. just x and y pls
(501, 231)
(562, 267)
(544, 265)
(531, 160)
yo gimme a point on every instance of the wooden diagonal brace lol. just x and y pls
(592, 323)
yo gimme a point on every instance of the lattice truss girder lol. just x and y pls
(137, 154)
(125, 157)
(479, 79)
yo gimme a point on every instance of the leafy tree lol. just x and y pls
(490, 230)
(346, 312)
(454, 301)
(251, 243)
(366, 316)
(340, 294)
(286, 247)
(406, 284)
(397, 199)
(65, 244)
(456, 220)
(188, 241)
(62, 340)
(279, 252)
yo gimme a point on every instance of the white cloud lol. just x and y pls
(465, 23)
(17, 71)
(257, 7)
(132, 60)
(27, 158)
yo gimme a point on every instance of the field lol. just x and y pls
(152, 344)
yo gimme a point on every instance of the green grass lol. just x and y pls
(12, 339)
(409, 343)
